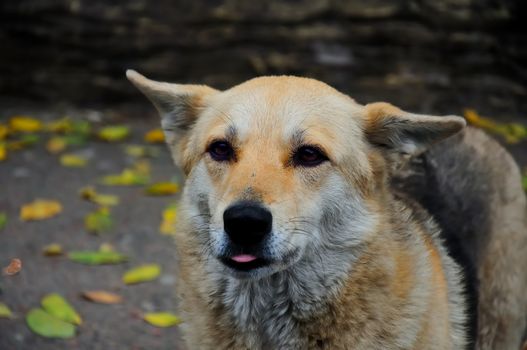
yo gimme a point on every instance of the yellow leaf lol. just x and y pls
(142, 167)
(512, 132)
(168, 225)
(99, 221)
(61, 126)
(3, 131)
(114, 133)
(142, 273)
(103, 297)
(22, 123)
(40, 209)
(162, 319)
(106, 247)
(4, 311)
(104, 200)
(155, 136)
(72, 160)
(3, 151)
(53, 249)
(56, 144)
(139, 151)
(162, 189)
(55, 305)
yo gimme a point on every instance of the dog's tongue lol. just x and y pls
(243, 258)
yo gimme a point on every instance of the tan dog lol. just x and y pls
(302, 223)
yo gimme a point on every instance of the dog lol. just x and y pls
(309, 221)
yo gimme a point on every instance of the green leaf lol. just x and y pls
(49, 326)
(57, 306)
(142, 273)
(75, 140)
(162, 319)
(99, 221)
(524, 182)
(4, 311)
(97, 257)
(3, 220)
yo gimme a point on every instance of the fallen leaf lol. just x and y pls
(4, 311)
(97, 257)
(139, 151)
(106, 247)
(40, 209)
(3, 151)
(46, 325)
(72, 160)
(128, 177)
(162, 319)
(99, 221)
(3, 220)
(91, 195)
(13, 268)
(81, 127)
(62, 126)
(142, 273)
(155, 136)
(512, 132)
(162, 189)
(56, 144)
(114, 133)
(22, 123)
(53, 249)
(103, 297)
(3, 131)
(55, 305)
(75, 139)
(168, 224)
(23, 142)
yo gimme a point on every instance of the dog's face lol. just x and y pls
(279, 167)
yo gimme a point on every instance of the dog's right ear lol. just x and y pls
(179, 106)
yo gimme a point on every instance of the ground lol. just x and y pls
(35, 173)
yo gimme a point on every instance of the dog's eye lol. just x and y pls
(308, 156)
(221, 151)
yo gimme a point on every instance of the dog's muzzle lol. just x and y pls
(247, 225)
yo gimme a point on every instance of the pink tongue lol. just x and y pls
(243, 258)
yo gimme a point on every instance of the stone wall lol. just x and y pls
(422, 54)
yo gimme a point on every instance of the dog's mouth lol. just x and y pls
(245, 262)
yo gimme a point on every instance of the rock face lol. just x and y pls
(427, 55)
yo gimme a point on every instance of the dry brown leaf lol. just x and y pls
(103, 297)
(155, 136)
(13, 268)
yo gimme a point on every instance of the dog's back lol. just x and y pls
(471, 186)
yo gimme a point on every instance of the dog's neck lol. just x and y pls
(271, 307)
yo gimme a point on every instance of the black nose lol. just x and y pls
(247, 223)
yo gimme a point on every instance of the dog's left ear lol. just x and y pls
(405, 133)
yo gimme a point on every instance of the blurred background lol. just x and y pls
(67, 58)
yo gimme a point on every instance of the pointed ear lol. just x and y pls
(178, 104)
(406, 133)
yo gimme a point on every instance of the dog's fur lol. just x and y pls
(397, 241)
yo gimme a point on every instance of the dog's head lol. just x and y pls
(278, 166)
